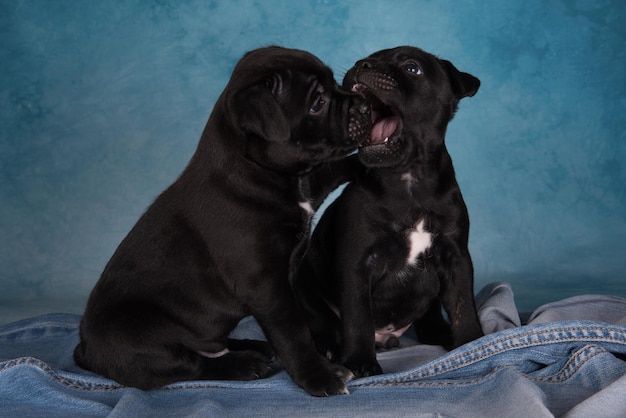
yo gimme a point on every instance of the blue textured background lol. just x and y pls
(102, 105)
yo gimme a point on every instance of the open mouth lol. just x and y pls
(386, 122)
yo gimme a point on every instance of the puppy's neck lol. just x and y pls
(430, 173)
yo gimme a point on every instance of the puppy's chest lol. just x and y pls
(401, 252)
(418, 241)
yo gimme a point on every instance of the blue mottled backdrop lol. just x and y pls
(102, 105)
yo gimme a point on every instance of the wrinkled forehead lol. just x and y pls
(259, 64)
(400, 54)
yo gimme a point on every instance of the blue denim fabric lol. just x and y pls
(571, 367)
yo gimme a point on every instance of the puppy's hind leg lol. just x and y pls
(237, 360)
(165, 366)
(149, 358)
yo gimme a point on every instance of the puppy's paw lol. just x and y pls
(326, 380)
(251, 365)
(363, 368)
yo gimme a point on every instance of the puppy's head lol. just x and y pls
(291, 111)
(413, 96)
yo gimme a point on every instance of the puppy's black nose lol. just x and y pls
(365, 64)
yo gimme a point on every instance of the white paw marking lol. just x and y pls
(419, 240)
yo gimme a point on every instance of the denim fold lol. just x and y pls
(569, 360)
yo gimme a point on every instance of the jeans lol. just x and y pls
(568, 361)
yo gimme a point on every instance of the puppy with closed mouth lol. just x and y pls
(220, 242)
(392, 249)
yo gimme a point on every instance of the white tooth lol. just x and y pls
(386, 140)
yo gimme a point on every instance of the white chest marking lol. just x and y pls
(307, 208)
(419, 241)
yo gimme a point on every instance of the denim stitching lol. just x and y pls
(52, 373)
(504, 344)
(565, 373)
(103, 387)
(573, 365)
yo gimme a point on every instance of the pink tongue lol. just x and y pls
(384, 128)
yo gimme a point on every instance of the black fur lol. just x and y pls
(221, 241)
(356, 277)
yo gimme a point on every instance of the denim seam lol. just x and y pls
(52, 373)
(499, 346)
(578, 360)
(102, 387)
(566, 373)
(505, 344)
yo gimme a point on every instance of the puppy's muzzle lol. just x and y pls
(360, 122)
(368, 74)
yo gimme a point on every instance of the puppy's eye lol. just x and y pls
(317, 105)
(413, 67)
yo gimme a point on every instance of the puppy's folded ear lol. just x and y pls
(255, 110)
(463, 84)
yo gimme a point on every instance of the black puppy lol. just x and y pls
(392, 249)
(221, 241)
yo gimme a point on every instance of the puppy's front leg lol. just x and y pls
(359, 346)
(458, 301)
(276, 311)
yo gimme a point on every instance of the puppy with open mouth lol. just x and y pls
(392, 249)
(221, 242)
